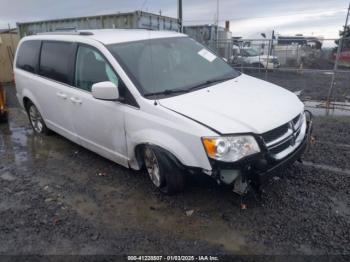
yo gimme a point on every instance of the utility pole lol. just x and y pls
(179, 13)
(217, 12)
(340, 47)
(13, 50)
(217, 23)
(272, 41)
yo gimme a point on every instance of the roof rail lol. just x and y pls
(66, 33)
(66, 28)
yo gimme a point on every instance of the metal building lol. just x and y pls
(8, 45)
(215, 37)
(132, 20)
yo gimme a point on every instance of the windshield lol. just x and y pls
(169, 64)
(250, 52)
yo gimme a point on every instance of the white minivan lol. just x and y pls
(162, 101)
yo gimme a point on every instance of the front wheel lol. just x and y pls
(258, 65)
(163, 171)
(36, 120)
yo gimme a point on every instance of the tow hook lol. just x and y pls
(248, 186)
(240, 185)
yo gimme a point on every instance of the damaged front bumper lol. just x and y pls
(257, 168)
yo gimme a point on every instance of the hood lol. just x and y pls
(241, 105)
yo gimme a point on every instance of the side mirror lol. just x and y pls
(105, 91)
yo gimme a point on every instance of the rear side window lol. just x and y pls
(28, 56)
(55, 61)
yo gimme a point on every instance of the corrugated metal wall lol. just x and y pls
(136, 19)
(207, 35)
(204, 34)
(8, 44)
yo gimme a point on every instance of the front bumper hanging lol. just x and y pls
(260, 168)
(296, 155)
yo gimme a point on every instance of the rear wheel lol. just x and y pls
(36, 120)
(163, 171)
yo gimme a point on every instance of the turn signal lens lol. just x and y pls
(210, 147)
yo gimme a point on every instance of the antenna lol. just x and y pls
(143, 4)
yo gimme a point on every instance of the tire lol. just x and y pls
(36, 120)
(163, 171)
(258, 65)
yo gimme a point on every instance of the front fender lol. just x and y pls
(187, 154)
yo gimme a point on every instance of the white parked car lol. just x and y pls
(250, 57)
(159, 100)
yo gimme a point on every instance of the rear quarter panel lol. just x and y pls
(25, 87)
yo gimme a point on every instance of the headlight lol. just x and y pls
(230, 148)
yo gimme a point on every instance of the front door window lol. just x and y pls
(92, 68)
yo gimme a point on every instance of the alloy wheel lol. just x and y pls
(152, 167)
(36, 119)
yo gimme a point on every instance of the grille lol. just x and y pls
(296, 121)
(280, 147)
(275, 133)
(282, 137)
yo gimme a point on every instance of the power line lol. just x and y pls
(339, 50)
(266, 16)
(143, 4)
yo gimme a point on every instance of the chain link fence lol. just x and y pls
(306, 65)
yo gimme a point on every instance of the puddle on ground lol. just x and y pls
(18, 142)
(318, 108)
(134, 210)
(118, 205)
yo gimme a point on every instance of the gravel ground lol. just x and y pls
(315, 85)
(58, 198)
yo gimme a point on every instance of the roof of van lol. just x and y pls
(110, 36)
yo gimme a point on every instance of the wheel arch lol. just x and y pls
(139, 157)
(26, 102)
(27, 97)
(186, 152)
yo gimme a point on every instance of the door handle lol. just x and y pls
(61, 95)
(76, 100)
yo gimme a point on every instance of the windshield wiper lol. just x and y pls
(187, 90)
(209, 82)
(167, 92)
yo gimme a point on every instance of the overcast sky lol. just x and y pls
(248, 17)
